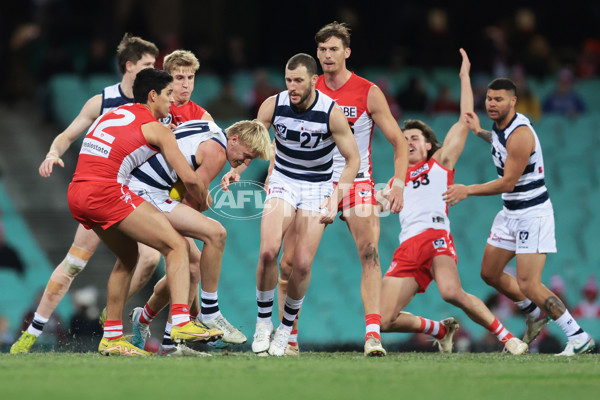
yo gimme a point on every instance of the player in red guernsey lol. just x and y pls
(364, 105)
(182, 65)
(427, 249)
(99, 199)
(133, 55)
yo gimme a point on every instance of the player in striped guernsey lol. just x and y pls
(525, 225)
(308, 125)
(206, 148)
(427, 250)
(364, 105)
(133, 55)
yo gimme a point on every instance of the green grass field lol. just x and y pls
(47, 376)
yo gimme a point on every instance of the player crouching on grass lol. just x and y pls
(206, 148)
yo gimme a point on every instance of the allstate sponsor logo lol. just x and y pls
(243, 201)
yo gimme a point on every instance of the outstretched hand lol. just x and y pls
(455, 193)
(465, 67)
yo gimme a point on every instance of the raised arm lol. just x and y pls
(85, 118)
(454, 143)
(382, 116)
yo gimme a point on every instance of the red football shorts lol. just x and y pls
(414, 256)
(361, 192)
(100, 203)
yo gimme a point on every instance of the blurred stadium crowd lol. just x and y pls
(62, 52)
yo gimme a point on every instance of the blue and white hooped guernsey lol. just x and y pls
(303, 139)
(530, 195)
(113, 97)
(156, 173)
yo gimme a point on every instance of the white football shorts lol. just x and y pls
(157, 197)
(523, 235)
(302, 195)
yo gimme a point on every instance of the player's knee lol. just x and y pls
(302, 267)
(218, 237)
(526, 286)
(149, 259)
(221, 236)
(75, 261)
(180, 244)
(285, 267)
(452, 295)
(268, 256)
(489, 278)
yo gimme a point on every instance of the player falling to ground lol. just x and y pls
(133, 55)
(426, 250)
(206, 148)
(364, 106)
(525, 226)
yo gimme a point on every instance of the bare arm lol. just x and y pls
(211, 158)
(380, 112)
(158, 135)
(85, 118)
(454, 143)
(473, 121)
(207, 117)
(271, 164)
(346, 144)
(520, 145)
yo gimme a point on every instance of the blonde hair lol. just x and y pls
(254, 135)
(180, 59)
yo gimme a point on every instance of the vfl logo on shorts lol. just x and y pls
(523, 236)
(281, 131)
(439, 243)
(365, 193)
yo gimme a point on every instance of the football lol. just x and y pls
(177, 191)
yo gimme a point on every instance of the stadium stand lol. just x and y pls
(17, 293)
(332, 312)
(68, 94)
